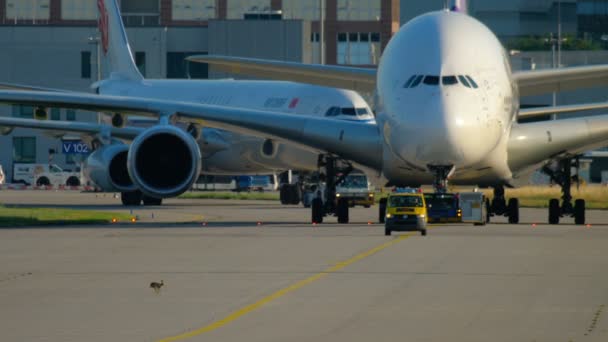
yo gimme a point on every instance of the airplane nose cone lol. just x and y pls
(446, 131)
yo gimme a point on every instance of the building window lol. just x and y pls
(358, 48)
(140, 61)
(24, 149)
(315, 47)
(368, 10)
(179, 67)
(85, 64)
(139, 6)
(298, 9)
(140, 12)
(238, 8)
(78, 9)
(28, 9)
(55, 114)
(25, 112)
(70, 115)
(194, 9)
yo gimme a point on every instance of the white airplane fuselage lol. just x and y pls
(226, 152)
(444, 120)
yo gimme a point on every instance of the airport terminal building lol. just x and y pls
(53, 44)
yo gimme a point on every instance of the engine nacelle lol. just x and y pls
(164, 161)
(107, 168)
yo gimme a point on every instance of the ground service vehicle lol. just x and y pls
(252, 183)
(474, 206)
(443, 208)
(356, 189)
(405, 211)
(45, 175)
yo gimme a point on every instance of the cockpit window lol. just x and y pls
(449, 80)
(333, 111)
(472, 82)
(409, 82)
(431, 80)
(417, 81)
(362, 111)
(349, 111)
(464, 81)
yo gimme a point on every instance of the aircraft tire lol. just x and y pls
(283, 194)
(387, 231)
(488, 210)
(513, 210)
(295, 194)
(382, 210)
(317, 210)
(423, 232)
(579, 211)
(342, 210)
(554, 211)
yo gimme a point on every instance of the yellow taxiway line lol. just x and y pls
(254, 306)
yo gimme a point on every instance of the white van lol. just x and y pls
(45, 175)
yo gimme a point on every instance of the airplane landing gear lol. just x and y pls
(441, 175)
(562, 175)
(500, 207)
(335, 172)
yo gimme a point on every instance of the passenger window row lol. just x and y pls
(430, 80)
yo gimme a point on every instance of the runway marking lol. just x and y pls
(252, 307)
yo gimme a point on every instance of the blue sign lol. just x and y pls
(74, 147)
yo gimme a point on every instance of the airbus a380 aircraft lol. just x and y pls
(222, 152)
(448, 106)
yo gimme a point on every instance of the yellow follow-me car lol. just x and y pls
(405, 211)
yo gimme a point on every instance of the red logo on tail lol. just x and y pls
(103, 25)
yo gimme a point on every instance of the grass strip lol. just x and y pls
(20, 217)
(229, 195)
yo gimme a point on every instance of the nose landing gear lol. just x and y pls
(441, 175)
(562, 175)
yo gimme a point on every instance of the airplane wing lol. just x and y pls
(7, 124)
(535, 82)
(359, 142)
(533, 144)
(15, 86)
(543, 111)
(359, 79)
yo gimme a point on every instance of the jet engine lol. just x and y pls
(164, 161)
(107, 168)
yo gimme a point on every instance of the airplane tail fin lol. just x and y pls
(459, 6)
(114, 44)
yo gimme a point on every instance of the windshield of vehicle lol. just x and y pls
(355, 181)
(405, 201)
(441, 201)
